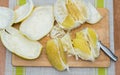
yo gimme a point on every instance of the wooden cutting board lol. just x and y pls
(102, 29)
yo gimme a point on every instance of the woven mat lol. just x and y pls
(11, 70)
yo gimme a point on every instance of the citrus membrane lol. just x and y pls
(86, 44)
(56, 54)
(82, 47)
(93, 40)
(72, 13)
(93, 15)
(67, 44)
(63, 17)
(75, 11)
(57, 32)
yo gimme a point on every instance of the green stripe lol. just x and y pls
(21, 2)
(20, 70)
(101, 71)
(100, 4)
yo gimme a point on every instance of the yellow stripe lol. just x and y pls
(100, 3)
(21, 2)
(20, 71)
(101, 71)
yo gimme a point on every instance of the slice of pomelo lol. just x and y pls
(24, 11)
(7, 17)
(56, 54)
(39, 23)
(15, 42)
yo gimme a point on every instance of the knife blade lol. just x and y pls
(108, 52)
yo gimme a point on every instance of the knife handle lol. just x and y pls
(108, 52)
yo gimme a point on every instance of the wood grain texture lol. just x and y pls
(2, 48)
(4, 3)
(102, 29)
(117, 33)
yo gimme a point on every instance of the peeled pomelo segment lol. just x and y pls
(86, 44)
(75, 11)
(93, 40)
(82, 45)
(39, 23)
(68, 22)
(15, 42)
(92, 36)
(67, 44)
(82, 49)
(93, 15)
(24, 11)
(62, 16)
(81, 4)
(79, 34)
(7, 17)
(62, 55)
(56, 55)
(72, 13)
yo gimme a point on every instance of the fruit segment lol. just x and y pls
(68, 22)
(56, 54)
(57, 32)
(67, 44)
(72, 13)
(86, 44)
(92, 37)
(93, 40)
(66, 19)
(82, 47)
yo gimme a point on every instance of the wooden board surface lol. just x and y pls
(2, 48)
(117, 34)
(102, 29)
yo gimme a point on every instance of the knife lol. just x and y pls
(108, 52)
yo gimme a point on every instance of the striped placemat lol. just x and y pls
(11, 70)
